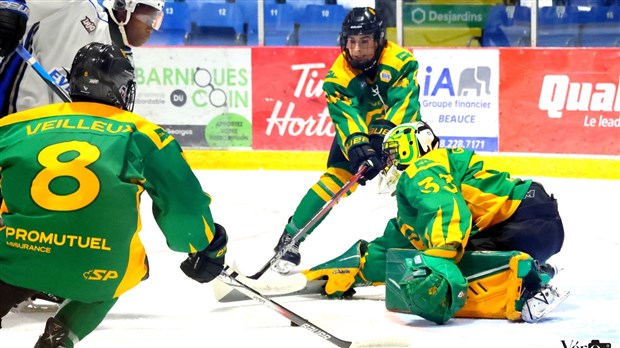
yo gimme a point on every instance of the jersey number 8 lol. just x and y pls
(82, 154)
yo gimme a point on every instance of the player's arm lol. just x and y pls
(344, 110)
(403, 95)
(181, 209)
(351, 129)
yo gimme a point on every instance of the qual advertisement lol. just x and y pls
(568, 104)
(459, 93)
(290, 111)
(202, 96)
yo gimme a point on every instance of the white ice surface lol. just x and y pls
(170, 310)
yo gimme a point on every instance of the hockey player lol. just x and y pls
(456, 217)
(72, 216)
(55, 31)
(371, 87)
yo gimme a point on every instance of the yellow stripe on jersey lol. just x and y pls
(136, 267)
(398, 116)
(340, 73)
(393, 55)
(208, 232)
(452, 234)
(440, 252)
(487, 209)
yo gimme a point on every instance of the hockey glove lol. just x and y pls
(361, 152)
(206, 265)
(13, 18)
(376, 133)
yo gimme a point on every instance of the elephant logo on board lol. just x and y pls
(476, 79)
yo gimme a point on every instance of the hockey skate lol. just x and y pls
(290, 259)
(55, 335)
(541, 303)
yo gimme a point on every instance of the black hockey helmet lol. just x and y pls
(102, 73)
(363, 21)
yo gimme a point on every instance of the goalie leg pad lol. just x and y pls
(341, 272)
(495, 283)
(497, 280)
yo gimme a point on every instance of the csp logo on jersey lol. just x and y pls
(100, 274)
(89, 25)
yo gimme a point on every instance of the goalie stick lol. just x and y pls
(303, 231)
(49, 81)
(231, 275)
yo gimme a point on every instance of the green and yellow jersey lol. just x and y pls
(354, 100)
(448, 195)
(72, 176)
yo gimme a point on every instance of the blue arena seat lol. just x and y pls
(279, 21)
(507, 26)
(320, 25)
(602, 29)
(558, 26)
(176, 27)
(590, 3)
(218, 24)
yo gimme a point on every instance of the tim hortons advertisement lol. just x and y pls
(560, 101)
(289, 109)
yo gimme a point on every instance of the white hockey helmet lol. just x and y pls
(130, 6)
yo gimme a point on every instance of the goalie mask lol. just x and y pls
(361, 28)
(402, 145)
(102, 73)
(407, 142)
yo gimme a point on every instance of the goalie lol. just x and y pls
(456, 218)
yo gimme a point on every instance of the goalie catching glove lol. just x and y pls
(13, 18)
(206, 265)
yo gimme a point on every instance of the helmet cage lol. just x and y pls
(363, 21)
(407, 142)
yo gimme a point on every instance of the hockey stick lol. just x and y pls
(292, 285)
(49, 81)
(304, 230)
(232, 275)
